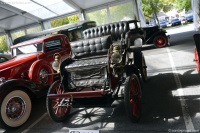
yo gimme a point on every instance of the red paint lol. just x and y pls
(21, 64)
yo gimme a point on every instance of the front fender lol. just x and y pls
(150, 39)
(35, 90)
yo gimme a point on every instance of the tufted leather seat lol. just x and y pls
(91, 47)
(89, 66)
(90, 53)
(113, 29)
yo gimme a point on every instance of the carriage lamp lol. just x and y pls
(116, 56)
(56, 63)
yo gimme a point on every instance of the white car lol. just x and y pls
(5, 57)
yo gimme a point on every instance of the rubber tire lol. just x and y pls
(50, 104)
(140, 62)
(162, 38)
(5, 121)
(128, 98)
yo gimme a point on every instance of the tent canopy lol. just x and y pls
(18, 13)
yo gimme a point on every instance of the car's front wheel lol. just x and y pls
(58, 108)
(15, 109)
(160, 41)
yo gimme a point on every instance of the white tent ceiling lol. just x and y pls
(18, 13)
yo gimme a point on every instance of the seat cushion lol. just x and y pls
(87, 64)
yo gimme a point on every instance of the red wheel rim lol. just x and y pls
(196, 59)
(135, 98)
(60, 106)
(160, 41)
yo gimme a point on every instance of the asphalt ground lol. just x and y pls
(170, 97)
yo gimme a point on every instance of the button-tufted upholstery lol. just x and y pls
(91, 47)
(113, 29)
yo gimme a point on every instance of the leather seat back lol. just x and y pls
(113, 29)
(91, 47)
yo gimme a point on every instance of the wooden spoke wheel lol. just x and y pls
(58, 108)
(132, 98)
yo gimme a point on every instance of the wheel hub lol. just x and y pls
(15, 108)
(160, 41)
(43, 76)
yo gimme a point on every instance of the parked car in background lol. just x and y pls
(175, 21)
(163, 24)
(28, 75)
(189, 17)
(183, 20)
(5, 57)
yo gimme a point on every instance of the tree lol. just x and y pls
(3, 44)
(65, 20)
(152, 7)
(180, 5)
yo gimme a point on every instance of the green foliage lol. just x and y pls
(117, 13)
(123, 11)
(99, 16)
(65, 20)
(3, 44)
(183, 4)
(34, 30)
(18, 34)
(154, 6)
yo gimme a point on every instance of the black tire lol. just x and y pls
(140, 62)
(160, 41)
(15, 109)
(57, 113)
(132, 98)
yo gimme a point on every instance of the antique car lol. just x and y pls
(156, 35)
(5, 57)
(151, 35)
(102, 69)
(72, 31)
(28, 75)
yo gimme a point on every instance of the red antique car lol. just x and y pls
(28, 75)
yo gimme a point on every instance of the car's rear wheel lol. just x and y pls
(132, 98)
(57, 108)
(160, 41)
(15, 109)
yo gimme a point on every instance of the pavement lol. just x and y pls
(170, 97)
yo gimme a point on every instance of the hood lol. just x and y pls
(18, 60)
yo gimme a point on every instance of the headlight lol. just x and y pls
(56, 65)
(116, 58)
(138, 42)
